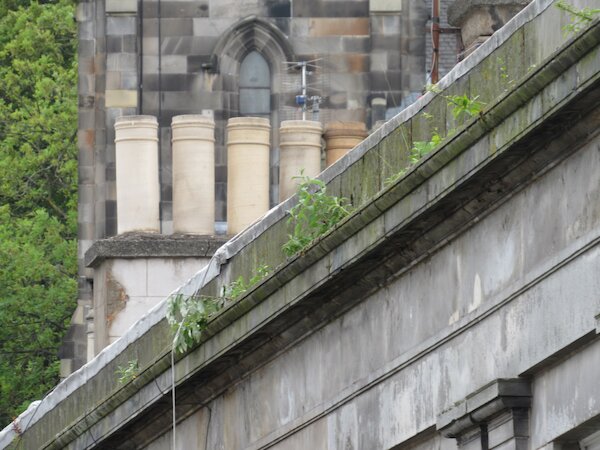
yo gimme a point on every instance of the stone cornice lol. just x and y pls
(152, 245)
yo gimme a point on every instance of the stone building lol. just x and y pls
(367, 61)
(455, 307)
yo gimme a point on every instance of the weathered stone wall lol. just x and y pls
(135, 272)
(479, 264)
(362, 52)
(492, 303)
(359, 55)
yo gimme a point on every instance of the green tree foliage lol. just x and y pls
(38, 195)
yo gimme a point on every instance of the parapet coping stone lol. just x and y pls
(153, 245)
(232, 247)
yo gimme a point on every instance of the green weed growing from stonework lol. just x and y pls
(463, 107)
(128, 373)
(315, 214)
(240, 285)
(188, 316)
(580, 18)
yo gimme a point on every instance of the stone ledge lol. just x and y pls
(148, 245)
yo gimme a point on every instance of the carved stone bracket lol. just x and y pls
(479, 19)
(496, 416)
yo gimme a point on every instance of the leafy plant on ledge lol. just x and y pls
(580, 18)
(188, 316)
(128, 373)
(315, 214)
(463, 107)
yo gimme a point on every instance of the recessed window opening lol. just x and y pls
(255, 86)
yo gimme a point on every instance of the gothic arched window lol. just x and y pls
(255, 86)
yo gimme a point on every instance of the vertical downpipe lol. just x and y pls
(435, 37)
(141, 53)
(159, 113)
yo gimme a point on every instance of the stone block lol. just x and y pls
(121, 6)
(188, 45)
(394, 60)
(179, 102)
(150, 45)
(389, 41)
(177, 9)
(121, 61)
(121, 98)
(150, 28)
(120, 25)
(85, 173)
(129, 43)
(113, 79)
(114, 44)
(283, 23)
(134, 309)
(129, 80)
(356, 44)
(173, 64)
(86, 47)
(378, 61)
(131, 274)
(211, 27)
(177, 27)
(390, 80)
(339, 26)
(84, 12)
(150, 65)
(167, 274)
(386, 24)
(238, 8)
(323, 8)
(385, 6)
(86, 118)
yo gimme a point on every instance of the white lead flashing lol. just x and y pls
(77, 379)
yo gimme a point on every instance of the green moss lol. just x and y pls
(394, 151)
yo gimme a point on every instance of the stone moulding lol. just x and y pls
(485, 403)
(152, 245)
(43, 433)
